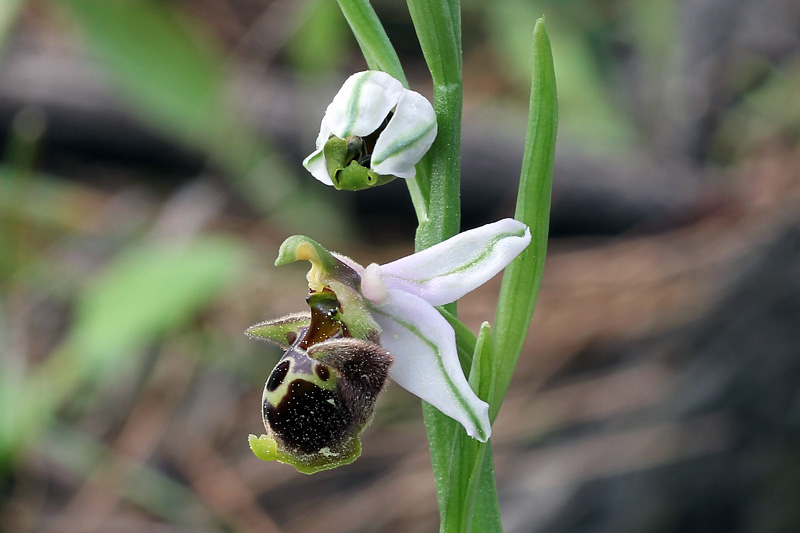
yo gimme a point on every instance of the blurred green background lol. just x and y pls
(150, 167)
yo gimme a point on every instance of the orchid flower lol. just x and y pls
(373, 131)
(367, 323)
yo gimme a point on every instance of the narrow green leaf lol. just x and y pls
(467, 463)
(481, 371)
(465, 339)
(486, 514)
(520, 287)
(147, 292)
(375, 45)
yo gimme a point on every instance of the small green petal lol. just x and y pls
(338, 154)
(279, 331)
(266, 448)
(354, 177)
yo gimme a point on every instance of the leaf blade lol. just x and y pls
(521, 281)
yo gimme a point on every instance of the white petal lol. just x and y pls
(408, 135)
(315, 163)
(426, 362)
(362, 104)
(446, 271)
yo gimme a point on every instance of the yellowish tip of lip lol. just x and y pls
(306, 252)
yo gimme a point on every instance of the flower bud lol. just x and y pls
(373, 131)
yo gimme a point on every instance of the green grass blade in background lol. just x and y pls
(591, 112)
(320, 44)
(146, 293)
(522, 278)
(168, 68)
(9, 11)
(171, 71)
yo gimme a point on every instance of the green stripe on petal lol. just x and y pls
(352, 103)
(446, 271)
(406, 138)
(362, 104)
(426, 362)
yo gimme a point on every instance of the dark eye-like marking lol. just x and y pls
(277, 376)
(322, 372)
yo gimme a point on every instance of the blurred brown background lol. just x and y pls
(151, 166)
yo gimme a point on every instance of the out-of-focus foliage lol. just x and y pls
(320, 42)
(165, 62)
(8, 15)
(587, 106)
(148, 291)
(170, 67)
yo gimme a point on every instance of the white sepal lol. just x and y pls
(426, 361)
(408, 135)
(446, 271)
(362, 104)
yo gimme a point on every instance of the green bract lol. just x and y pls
(373, 131)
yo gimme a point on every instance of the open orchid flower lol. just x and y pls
(366, 324)
(373, 131)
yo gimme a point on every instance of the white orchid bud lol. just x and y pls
(373, 131)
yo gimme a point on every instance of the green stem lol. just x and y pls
(454, 455)
(438, 28)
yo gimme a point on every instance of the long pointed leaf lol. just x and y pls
(520, 287)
